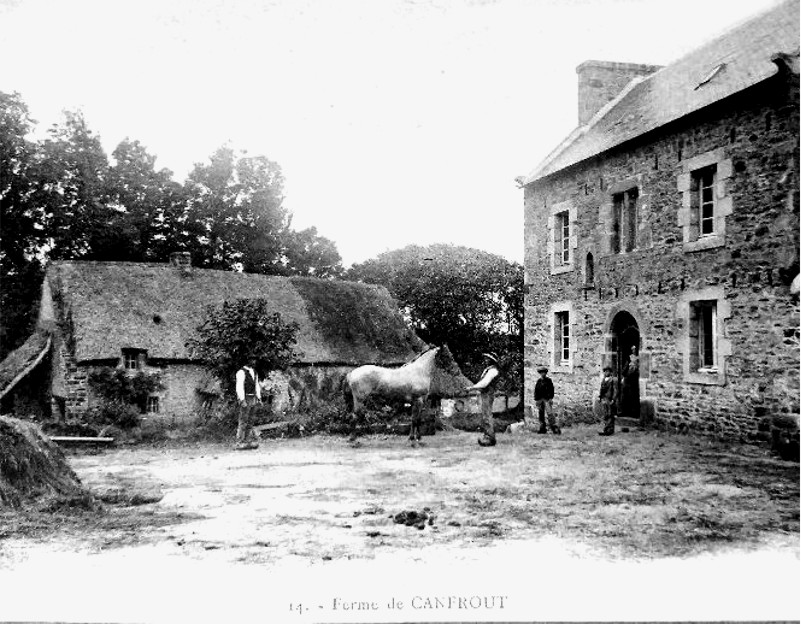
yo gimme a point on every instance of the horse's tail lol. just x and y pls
(347, 393)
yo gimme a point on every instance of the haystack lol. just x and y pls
(32, 466)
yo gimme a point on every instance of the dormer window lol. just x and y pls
(132, 359)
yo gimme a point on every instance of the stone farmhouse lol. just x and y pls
(668, 221)
(139, 317)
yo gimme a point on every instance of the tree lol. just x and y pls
(62, 199)
(307, 253)
(21, 234)
(242, 331)
(150, 206)
(71, 180)
(235, 204)
(470, 299)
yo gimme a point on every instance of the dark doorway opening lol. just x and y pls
(625, 335)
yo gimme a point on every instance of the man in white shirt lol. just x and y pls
(486, 386)
(248, 393)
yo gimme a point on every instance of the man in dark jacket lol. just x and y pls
(543, 399)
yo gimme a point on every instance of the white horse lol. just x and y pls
(413, 382)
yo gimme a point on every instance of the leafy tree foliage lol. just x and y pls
(244, 332)
(63, 198)
(307, 253)
(470, 299)
(21, 234)
(149, 204)
(236, 204)
(72, 171)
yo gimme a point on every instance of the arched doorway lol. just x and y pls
(624, 335)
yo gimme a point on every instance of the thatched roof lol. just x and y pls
(737, 59)
(109, 306)
(23, 360)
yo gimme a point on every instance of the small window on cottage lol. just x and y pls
(562, 346)
(624, 221)
(131, 359)
(703, 336)
(703, 200)
(153, 405)
(562, 237)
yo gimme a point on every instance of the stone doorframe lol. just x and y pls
(609, 353)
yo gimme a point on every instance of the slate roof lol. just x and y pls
(743, 55)
(157, 307)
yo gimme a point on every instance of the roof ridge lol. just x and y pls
(731, 28)
(580, 131)
(743, 45)
(106, 262)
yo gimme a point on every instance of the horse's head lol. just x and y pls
(439, 358)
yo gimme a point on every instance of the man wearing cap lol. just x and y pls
(543, 399)
(608, 396)
(486, 386)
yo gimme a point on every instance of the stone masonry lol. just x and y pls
(599, 82)
(752, 138)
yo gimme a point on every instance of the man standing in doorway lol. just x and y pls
(608, 396)
(543, 399)
(248, 393)
(630, 392)
(486, 387)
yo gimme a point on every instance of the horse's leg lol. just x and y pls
(417, 418)
(355, 417)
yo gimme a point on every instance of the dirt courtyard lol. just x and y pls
(306, 528)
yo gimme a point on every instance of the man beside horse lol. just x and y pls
(433, 373)
(486, 388)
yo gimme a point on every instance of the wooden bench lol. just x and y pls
(81, 440)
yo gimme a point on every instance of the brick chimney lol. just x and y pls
(181, 260)
(600, 82)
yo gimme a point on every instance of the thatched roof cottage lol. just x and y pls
(140, 316)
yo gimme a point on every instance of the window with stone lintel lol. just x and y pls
(562, 237)
(706, 200)
(562, 344)
(702, 341)
(624, 221)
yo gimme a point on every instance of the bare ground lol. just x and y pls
(635, 496)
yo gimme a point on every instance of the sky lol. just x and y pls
(395, 122)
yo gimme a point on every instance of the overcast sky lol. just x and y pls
(394, 121)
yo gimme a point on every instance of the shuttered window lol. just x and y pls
(703, 335)
(562, 346)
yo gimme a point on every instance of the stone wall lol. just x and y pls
(757, 133)
(303, 388)
(70, 383)
(179, 399)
